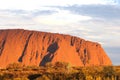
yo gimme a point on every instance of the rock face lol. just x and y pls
(38, 48)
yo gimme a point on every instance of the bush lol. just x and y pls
(61, 65)
(44, 77)
(20, 79)
(108, 72)
(49, 64)
(6, 76)
(14, 66)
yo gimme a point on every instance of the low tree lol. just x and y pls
(108, 72)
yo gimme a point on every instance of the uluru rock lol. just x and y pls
(38, 48)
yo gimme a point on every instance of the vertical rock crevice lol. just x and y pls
(43, 37)
(85, 56)
(72, 41)
(25, 47)
(2, 43)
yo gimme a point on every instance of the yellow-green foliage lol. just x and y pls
(44, 77)
(20, 79)
(59, 71)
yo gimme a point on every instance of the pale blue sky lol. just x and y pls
(94, 20)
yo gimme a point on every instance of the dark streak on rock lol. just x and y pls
(23, 52)
(72, 41)
(2, 44)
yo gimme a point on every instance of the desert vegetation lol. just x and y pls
(59, 71)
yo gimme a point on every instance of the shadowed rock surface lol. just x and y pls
(38, 48)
